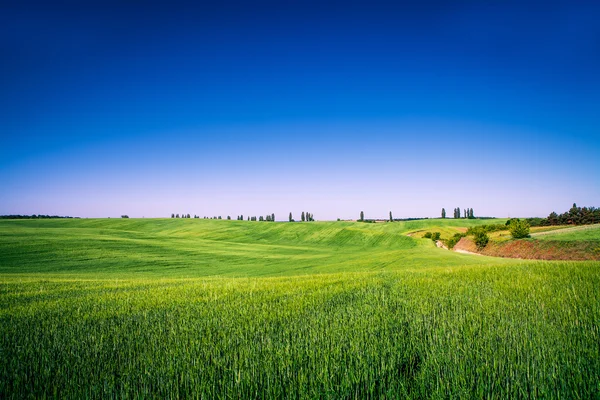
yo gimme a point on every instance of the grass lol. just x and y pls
(578, 233)
(224, 309)
(196, 248)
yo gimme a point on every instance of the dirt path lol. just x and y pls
(441, 245)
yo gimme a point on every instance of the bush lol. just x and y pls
(481, 239)
(519, 229)
(435, 236)
(427, 235)
(486, 228)
(124, 216)
(454, 239)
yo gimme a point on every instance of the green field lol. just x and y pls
(172, 308)
(585, 232)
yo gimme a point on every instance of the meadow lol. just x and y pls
(161, 308)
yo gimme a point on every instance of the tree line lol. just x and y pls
(34, 216)
(305, 217)
(575, 216)
(467, 213)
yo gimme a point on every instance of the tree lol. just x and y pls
(229, 217)
(290, 218)
(273, 217)
(177, 216)
(481, 239)
(172, 215)
(362, 216)
(443, 213)
(519, 229)
(124, 216)
(391, 218)
(471, 213)
(302, 217)
(188, 215)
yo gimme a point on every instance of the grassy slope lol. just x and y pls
(579, 233)
(99, 308)
(194, 248)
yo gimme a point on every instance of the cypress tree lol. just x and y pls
(302, 217)
(391, 219)
(290, 218)
(443, 213)
(362, 216)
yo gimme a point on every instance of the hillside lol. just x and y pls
(192, 247)
(235, 309)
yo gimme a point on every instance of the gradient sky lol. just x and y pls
(251, 108)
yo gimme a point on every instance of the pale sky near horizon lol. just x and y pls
(110, 108)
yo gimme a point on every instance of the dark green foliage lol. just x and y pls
(303, 217)
(443, 213)
(124, 216)
(454, 239)
(272, 217)
(486, 229)
(576, 216)
(435, 236)
(519, 229)
(427, 235)
(290, 218)
(172, 215)
(481, 239)
(362, 216)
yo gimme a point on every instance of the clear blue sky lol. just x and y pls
(230, 108)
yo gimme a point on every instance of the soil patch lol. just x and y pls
(535, 249)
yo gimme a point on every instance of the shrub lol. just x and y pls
(435, 236)
(481, 239)
(454, 239)
(519, 229)
(486, 228)
(124, 216)
(427, 235)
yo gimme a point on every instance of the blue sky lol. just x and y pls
(270, 107)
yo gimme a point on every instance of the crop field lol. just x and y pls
(234, 309)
